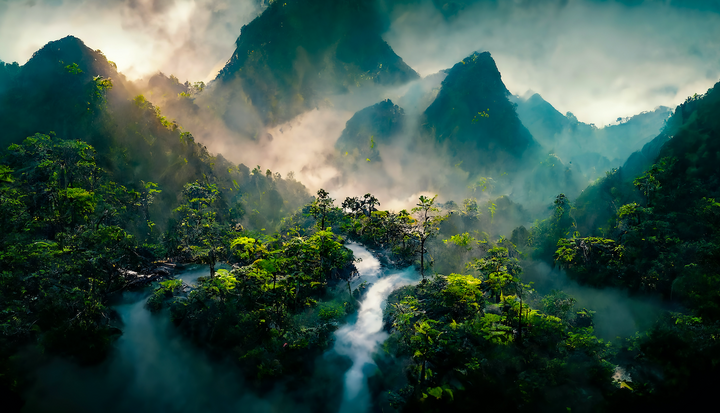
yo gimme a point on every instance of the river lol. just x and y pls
(152, 368)
(359, 339)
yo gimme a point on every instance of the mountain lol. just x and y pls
(689, 137)
(299, 52)
(468, 135)
(55, 86)
(75, 93)
(368, 128)
(473, 120)
(593, 150)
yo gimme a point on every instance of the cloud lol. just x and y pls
(189, 38)
(599, 60)
(619, 314)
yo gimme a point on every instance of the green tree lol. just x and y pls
(199, 234)
(427, 225)
(499, 271)
(321, 208)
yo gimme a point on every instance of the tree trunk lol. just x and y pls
(422, 259)
(520, 321)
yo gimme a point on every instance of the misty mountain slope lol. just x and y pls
(58, 91)
(682, 118)
(475, 122)
(299, 52)
(477, 148)
(689, 143)
(369, 127)
(639, 161)
(543, 120)
(52, 91)
(626, 137)
(382, 122)
(421, 94)
(590, 149)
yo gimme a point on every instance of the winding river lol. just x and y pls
(358, 340)
(152, 368)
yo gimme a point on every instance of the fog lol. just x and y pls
(152, 368)
(597, 59)
(619, 314)
(601, 60)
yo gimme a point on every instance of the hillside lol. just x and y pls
(369, 127)
(591, 149)
(473, 120)
(75, 92)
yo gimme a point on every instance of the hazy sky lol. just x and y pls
(598, 59)
(189, 38)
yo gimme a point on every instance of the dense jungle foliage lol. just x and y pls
(101, 194)
(487, 335)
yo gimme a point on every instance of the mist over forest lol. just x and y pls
(359, 206)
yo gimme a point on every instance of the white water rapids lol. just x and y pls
(359, 340)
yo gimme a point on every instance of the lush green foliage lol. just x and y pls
(65, 245)
(511, 355)
(106, 186)
(659, 235)
(265, 311)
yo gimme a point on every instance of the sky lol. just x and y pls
(189, 38)
(599, 60)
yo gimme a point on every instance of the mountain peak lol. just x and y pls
(65, 52)
(299, 52)
(474, 118)
(376, 124)
(69, 47)
(479, 73)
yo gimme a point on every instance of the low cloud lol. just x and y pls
(189, 38)
(599, 60)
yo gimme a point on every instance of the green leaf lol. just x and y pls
(436, 392)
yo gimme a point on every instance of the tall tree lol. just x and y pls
(200, 235)
(427, 225)
(321, 207)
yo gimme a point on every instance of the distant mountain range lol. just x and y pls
(300, 55)
(596, 149)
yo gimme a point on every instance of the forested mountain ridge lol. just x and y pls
(469, 128)
(656, 233)
(591, 149)
(474, 120)
(299, 52)
(374, 125)
(75, 92)
(96, 187)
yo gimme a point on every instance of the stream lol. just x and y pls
(358, 340)
(152, 368)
